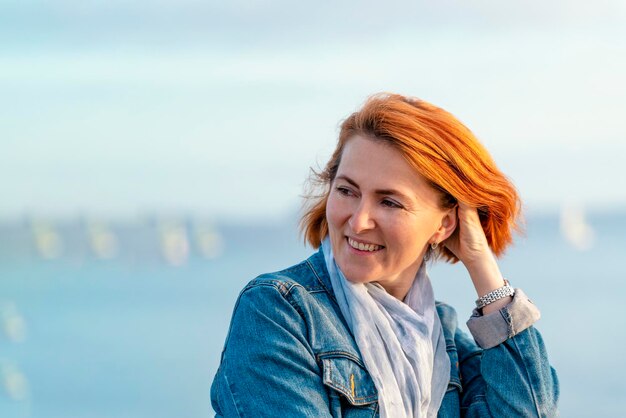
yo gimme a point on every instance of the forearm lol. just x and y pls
(486, 277)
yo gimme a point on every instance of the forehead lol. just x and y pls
(375, 164)
(378, 161)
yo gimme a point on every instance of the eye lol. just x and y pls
(344, 190)
(391, 204)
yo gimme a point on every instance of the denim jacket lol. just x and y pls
(290, 353)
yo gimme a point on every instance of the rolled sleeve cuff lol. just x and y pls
(497, 327)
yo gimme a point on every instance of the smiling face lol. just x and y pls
(382, 215)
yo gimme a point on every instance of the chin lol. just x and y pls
(356, 274)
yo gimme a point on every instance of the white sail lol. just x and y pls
(575, 229)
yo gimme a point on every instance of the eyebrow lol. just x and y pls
(384, 192)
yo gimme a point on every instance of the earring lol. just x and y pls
(430, 250)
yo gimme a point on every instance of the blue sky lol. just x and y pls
(118, 108)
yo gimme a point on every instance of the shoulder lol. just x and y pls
(309, 276)
(303, 288)
(272, 303)
(298, 300)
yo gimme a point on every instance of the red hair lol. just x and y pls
(440, 148)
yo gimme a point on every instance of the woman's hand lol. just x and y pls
(469, 244)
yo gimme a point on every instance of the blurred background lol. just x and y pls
(153, 157)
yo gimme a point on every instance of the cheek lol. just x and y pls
(408, 233)
(334, 212)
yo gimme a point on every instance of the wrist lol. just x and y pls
(497, 305)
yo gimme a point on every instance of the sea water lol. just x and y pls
(141, 336)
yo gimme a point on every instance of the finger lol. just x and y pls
(467, 213)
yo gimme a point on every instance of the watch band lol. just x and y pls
(494, 295)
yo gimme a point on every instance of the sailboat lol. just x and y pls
(575, 228)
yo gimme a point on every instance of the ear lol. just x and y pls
(448, 224)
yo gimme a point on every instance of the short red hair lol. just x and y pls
(442, 150)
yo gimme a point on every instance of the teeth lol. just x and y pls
(363, 247)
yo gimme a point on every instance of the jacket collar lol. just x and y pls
(318, 265)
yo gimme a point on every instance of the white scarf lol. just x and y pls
(402, 344)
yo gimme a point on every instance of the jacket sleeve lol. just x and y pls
(268, 368)
(510, 376)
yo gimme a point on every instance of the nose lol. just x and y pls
(361, 219)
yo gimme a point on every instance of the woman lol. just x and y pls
(354, 331)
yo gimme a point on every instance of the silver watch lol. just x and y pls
(494, 295)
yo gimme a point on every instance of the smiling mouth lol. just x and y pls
(362, 246)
